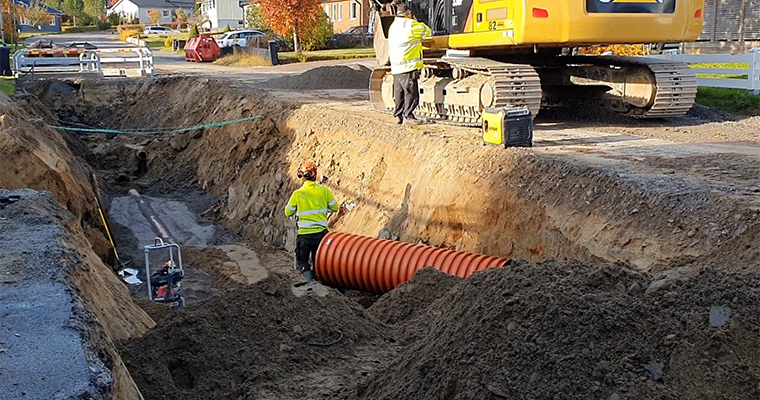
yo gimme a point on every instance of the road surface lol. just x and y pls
(167, 62)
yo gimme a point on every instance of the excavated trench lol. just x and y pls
(248, 336)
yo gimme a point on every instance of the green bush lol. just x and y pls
(318, 36)
(194, 31)
(114, 19)
(103, 25)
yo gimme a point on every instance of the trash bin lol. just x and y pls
(273, 52)
(5, 61)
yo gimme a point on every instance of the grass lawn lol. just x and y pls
(243, 60)
(732, 101)
(157, 41)
(7, 85)
(336, 54)
(719, 66)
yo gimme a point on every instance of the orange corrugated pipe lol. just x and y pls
(377, 266)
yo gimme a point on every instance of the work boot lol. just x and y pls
(308, 276)
(412, 122)
(400, 120)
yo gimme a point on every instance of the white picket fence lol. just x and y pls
(751, 83)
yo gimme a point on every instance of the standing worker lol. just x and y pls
(310, 204)
(405, 49)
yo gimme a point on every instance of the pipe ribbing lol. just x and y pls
(377, 265)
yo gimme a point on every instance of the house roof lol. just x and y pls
(159, 3)
(27, 4)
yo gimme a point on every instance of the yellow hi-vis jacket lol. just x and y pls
(405, 44)
(310, 204)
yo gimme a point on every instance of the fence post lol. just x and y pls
(754, 71)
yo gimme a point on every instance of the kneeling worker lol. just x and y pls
(310, 204)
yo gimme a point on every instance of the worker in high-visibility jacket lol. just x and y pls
(310, 204)
(405, 37)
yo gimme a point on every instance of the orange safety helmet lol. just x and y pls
(308, 171)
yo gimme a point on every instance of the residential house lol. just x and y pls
(346, 14)
(52, 25)
(221, 13)
(138, 9)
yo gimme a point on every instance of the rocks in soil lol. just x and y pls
(354, 76)
(412, 298)
(259, 341)
(572, 331)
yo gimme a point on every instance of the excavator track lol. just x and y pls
(505, 85)
(674, 85)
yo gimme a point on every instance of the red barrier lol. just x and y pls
(377, 265)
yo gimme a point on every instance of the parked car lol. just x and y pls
(159, 30)
(239, 38)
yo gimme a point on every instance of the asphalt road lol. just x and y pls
(167, 62)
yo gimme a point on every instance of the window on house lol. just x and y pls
(340, 12)
(354, 10)
(53, 21)
(166, 13)
(334, 15)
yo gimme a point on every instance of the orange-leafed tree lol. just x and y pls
(291, 17)
(155, 16)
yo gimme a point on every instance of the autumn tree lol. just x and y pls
(94, 8)
(181, 17)
(10, 13)
(254, 19)
(155, 16)
(72, 8)
(291, 17)
(36, 14)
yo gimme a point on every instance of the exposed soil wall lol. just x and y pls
(36, 156)
(425, 184)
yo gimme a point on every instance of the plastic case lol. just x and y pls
(512, 127)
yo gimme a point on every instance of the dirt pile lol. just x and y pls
(354, 76)
(412, 299)
(259, 342)
(571, 331)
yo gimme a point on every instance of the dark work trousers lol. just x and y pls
(406, 94)
(306, 249)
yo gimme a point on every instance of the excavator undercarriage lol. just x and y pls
(518, 59)
(457, 89)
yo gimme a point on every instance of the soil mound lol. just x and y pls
(259, 341)
(333, 77)
(571, 331)
(413, 298)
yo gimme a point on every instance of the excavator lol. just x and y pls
(493, 54)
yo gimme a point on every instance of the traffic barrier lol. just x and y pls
(748, 78)
(46, 63)
(377, 266)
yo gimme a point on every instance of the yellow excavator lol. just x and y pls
(491, 54)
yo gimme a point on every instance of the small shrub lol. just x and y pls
(132, 27)
(194, 31)
(127, 33)
(103, 25)
(114, 19)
